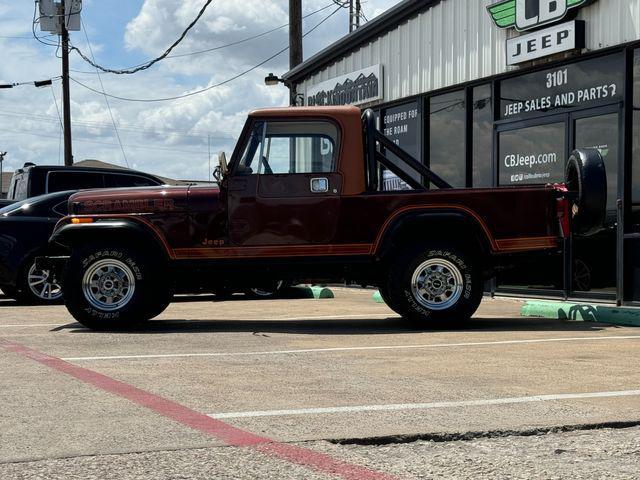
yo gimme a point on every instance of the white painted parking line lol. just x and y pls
(427, 406)
(33, 325)
(350, 349)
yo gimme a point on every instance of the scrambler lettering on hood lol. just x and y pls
(141, 205)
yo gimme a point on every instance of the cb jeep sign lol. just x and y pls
(524, 15)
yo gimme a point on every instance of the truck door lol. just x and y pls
(285, 190)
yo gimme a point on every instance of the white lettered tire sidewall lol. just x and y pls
(403, 297)
(132, 312)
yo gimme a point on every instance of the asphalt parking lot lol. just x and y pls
(304, 388)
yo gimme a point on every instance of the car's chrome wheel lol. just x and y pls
(268, 292)
(437, 284)
(581, 276)
(41, 284)
(108, 284)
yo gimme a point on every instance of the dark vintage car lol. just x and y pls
(25, 228)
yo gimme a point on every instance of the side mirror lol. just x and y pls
(222, 169)
(222, 159)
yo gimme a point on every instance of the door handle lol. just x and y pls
(319, 185)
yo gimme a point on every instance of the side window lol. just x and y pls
(287, 148)
(119, 180)
(20, 188)
(61, 181)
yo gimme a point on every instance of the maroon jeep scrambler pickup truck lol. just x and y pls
(300, 199)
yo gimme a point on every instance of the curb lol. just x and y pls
(377, 297)
(582, 312)
(313, 292)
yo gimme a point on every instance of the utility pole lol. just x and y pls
(66, 102)
(355, 9)
(350, 16)
(295, 40)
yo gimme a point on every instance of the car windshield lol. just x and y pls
(31, 205)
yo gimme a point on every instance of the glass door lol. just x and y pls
(532, 152)
(594, 265)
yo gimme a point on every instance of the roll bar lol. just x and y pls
(372, 137)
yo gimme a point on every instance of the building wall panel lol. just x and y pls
(456, 41)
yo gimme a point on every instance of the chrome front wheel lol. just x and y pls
(108, 284)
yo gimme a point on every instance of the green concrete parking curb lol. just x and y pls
(377, 297)
(312, 292)
(582, 312)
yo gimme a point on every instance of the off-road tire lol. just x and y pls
(383, 289)
(586, 179)
(149, 296)
(459, 280)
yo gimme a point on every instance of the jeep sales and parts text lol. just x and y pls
(566, 99)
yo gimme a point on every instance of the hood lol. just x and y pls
(130, 200)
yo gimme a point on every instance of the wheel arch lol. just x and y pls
(128, 231)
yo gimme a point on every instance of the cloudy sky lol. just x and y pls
(169, 138)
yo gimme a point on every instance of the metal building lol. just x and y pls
(497, 94)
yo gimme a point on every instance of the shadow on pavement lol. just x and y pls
(349, 326)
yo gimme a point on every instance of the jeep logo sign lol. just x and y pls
(557, 39)
(524, 15)
(528, 14)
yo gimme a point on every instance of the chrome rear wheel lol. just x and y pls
(437, 284)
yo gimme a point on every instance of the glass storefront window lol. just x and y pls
(532, 155)
(635, 166)
(482, 155)
(447, 126)
(601, 132)
(590, 83)
(402, 125)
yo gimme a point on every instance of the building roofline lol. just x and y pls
(381, 24)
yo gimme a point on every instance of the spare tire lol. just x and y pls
(586, 180)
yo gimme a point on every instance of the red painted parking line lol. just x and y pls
(215, 428)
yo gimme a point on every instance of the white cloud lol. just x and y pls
(168, 138)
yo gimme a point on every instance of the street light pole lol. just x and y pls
(66, 103)
(2, 154)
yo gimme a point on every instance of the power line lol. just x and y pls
(227, 45)
(131, 128)
(82, 140)
(210, 87)
(151, 62)
(115, 128)
(35, 83)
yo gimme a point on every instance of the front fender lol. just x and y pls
(68, 234)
